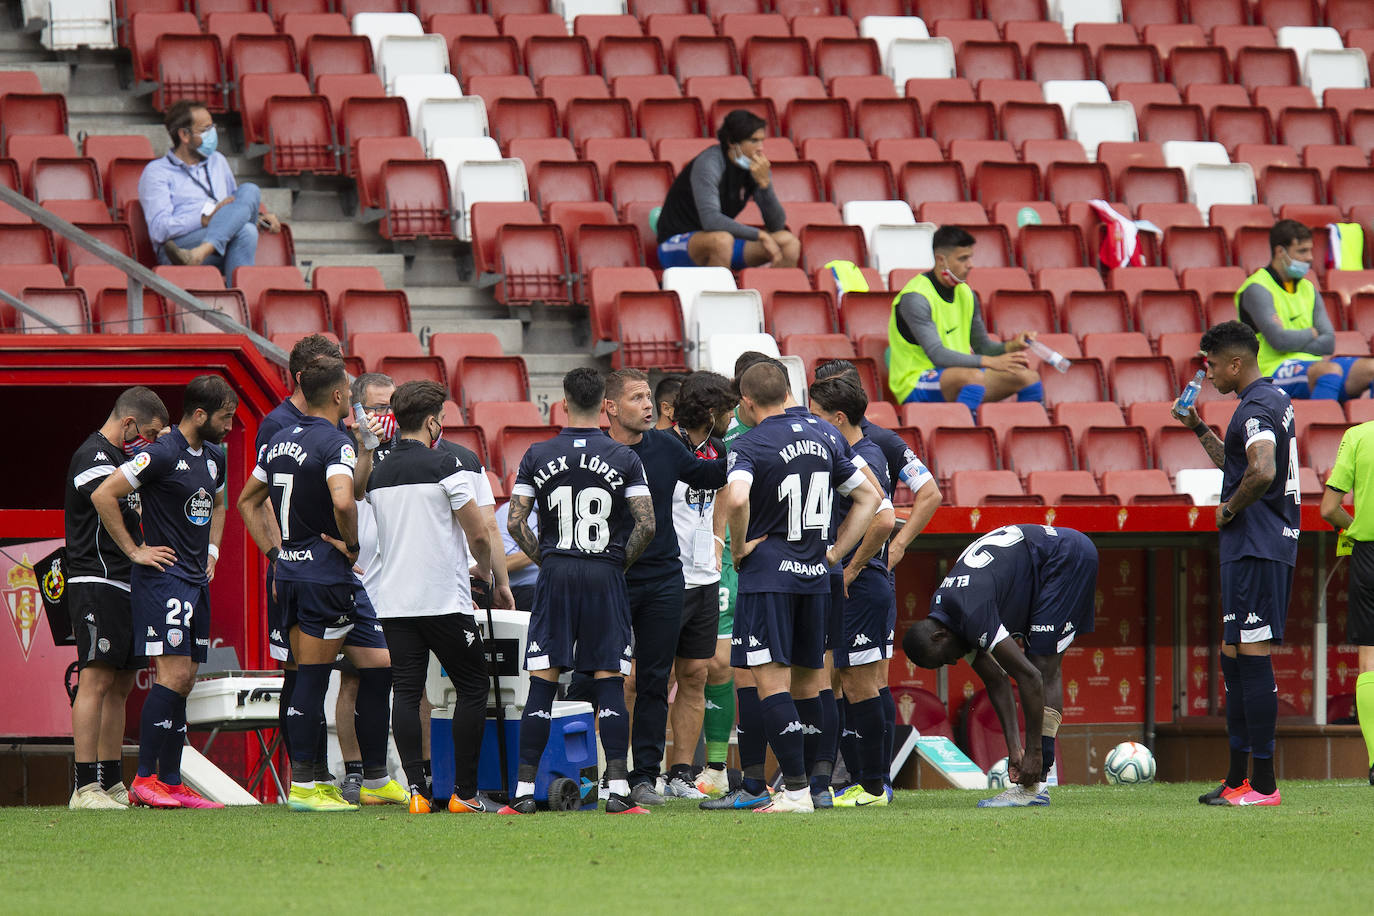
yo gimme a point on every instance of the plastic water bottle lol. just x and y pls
(1189, 395)
(365, 433)
(1053, 357)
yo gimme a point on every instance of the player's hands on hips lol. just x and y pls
(851, 572)
(503, 598)
(1029, 768)
(159, 557)
(1189, 419)
(341, 547)
(738, 554)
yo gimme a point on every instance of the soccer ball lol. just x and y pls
(997, 776)
(1129, 764)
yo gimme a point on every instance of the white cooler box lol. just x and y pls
(234, 696)
(508, 648)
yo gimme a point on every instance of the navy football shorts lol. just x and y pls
(1254, 600)
(331, 611)
(581, 618)
(780, 627)
(1064, 607)
(171, 615)
(865, 634)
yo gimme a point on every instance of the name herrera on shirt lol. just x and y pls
(291, 450)
(802, 447)
(594, 463)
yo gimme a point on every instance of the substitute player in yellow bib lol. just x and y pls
(1295, 334)
(1353, 470)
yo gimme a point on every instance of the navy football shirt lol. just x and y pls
(176, 486)
(1267, 528)
(988, 594)
(581, 481)
(280, 417)
(902, 463)
(296, 465)
(793, 467)
(869, 451)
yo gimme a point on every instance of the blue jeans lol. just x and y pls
(233, 230)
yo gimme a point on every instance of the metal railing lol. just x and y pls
(140, 278)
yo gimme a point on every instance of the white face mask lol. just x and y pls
(743, 161)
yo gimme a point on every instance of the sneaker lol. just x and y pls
(1221, 795)
(1018, 797)
(869, 800)
(119, 793)
(151, 792)
(564, 795)
(458, 805)
(393, 793)
(738, 800)
(312, 799)
(824, 798)
(91, 797)
(682, 787)
(522, 805)
(845, 797)
(714, 783)
(887, 790)
(620, 804)
(644, 794)
(781, 803)
(1253, 799)
(418, 802)
(190, 798)
(352, 788)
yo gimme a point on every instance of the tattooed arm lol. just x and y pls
(519, 527)
(1259, 474)
(642, 508)
(1216, 449)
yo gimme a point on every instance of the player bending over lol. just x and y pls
(595, 519)
(1031, 581)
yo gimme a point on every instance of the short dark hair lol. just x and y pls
(365, 381)
(838, 367)
(209, 393)
(1230, 337)
(181, 116)
(616, 381)
(320, 379)
(1285, 232)
(308, 349)
(838, 393)
(703, 392)
(948, 238)
(919, 644)
(765, 384)
(415, 402)
(585, 389)
(667, 390)
(738, 126)
(141, 403)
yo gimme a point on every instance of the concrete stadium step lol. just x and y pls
(391, 266)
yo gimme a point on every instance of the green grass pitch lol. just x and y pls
(1097, 849)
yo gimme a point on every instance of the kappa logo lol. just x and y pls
(629, 651)
(293, 711)
(849, 731)
(862, 640)
(470, 637)
(711, 705)
(983, 641)
(1253, 618)
(275, 636)
(607, 713)
(101, 456)
(183, 466)
(90, 618)
(793, 726)
(152, 632)
(539, 714)
(810, 730)
(165, 723)
(533, 646)
(753, 641)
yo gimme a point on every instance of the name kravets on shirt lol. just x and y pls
(594, 463)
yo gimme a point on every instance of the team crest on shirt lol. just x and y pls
(348, 457)
(198, 507)
(730, 462)
(1252, 427)
(212, 468)
(174, 638)
(141, 461)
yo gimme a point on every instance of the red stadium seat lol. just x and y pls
(952, 120)
(490, 378)
(1105, 449)
(593, 118)
(1085, 381)
(1142, 378)
(695, 55)
(1281, 186)
(1095, 312)
(1067, 182)
(1230, 217)
(1195, 246)
(661, 118)
(1159, 123)
(929, 92)
(630, 56)
(628, 181)
(1041, 247)
(863, 314)
(1078, 416)
(1267, 67)
(1002, 416)
(938, 413)
(484, 55)
(822, 244)
(839, 58)
(41, 114)
(518, 117)
(999, 60)
(650, 331)
(369, 117)
(299, 134)
(63, 306)
(451, 348)
(1188, 65)
(534, 266)
(938, 181)
(1351, 187)
(1011, 311)
(1160, 312)
(1060, 487)
(1059, 61)
(974, 487)
(1147, 486)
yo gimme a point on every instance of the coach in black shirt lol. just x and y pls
(655, 581)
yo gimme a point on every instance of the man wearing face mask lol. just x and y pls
(1280, 304)
(940, 348)
(196, 212)
(98, 599)
(697, 225)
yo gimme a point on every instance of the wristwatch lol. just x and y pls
(354, 548)
(1226, 512)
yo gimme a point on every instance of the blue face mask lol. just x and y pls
(1296, 270)
(743, 161)
(209, 142)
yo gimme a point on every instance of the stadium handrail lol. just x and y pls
(139, 278)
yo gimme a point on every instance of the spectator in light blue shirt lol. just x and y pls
(196, 212)
(523, 572)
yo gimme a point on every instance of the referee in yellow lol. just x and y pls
(1354, 470)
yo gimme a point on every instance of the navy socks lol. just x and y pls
(535, 723)
(156, 727)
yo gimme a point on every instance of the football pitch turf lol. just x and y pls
(1096, 848)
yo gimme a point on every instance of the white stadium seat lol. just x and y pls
(867, 214)
(1068, 93)
(1069, 13)
(571, 9)
(482, 180)
(1184, 154)
(886, 29)
(1209, 185)
(416, 87)
(377, 26)
(441, 118)
(1347, 69)
(723, 349)
(736, 311)
(896, 247)
(403, 54)
(1091, 123)
(1202, 484)
(920, 58)
(688, 282)
(69, 24)
(1303, 39)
